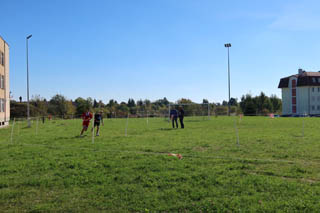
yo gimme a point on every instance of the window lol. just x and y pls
(294, 109)
(294, 83)
(2, 58)
(318, 107)
(312, 89)
(314, 80)
(318, 89)
(294, 100)
(1, 105)
(318, 98)
(312, 107)
(1, 82)
(294, 92)
(318, 80)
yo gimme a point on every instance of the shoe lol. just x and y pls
(97, 134)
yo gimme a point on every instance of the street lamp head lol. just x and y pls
(227, 45)
(29, 36)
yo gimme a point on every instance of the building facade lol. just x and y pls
(4, 84)
(301, 94)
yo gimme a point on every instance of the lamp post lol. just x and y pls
(227, 46)
(28, 106)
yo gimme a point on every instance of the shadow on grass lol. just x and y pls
(77, 136)
(297, 136)
(194, 120)
(167, 129)
(25, 127)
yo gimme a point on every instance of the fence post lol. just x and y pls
(37, 125)
(14, 120)
(236, 129)
(93, 130)
(125, 132)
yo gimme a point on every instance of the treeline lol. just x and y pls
(260, 105)
(60, 106)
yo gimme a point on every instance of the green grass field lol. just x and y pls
(275, 167)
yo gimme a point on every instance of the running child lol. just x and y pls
(86, 117)
(97, 119)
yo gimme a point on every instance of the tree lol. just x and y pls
(82, 105)
(147, 104)
(40, 103)
(95, 104)
(140, 103)
(101, 104)
(165, 101)
(122, 110)
(248, 105)
(233, 102)
(71, 109)
(205, 101)
(19, 110)
(224, 103)
(112, 103)
(260, 101)
(184, 101)
(131, 103)
(276, 103)
(58, 105)
(90, 102)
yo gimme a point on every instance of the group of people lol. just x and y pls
(174, 114)
(86, 117)
(98, 118)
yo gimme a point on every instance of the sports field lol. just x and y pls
(275, 167)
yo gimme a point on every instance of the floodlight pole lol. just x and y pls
(28, 104)
(228, 45)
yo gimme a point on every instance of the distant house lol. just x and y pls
(4, 84)
(301, 94)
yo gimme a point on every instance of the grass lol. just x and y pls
(275, 167)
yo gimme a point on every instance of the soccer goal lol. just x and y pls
(193, 110)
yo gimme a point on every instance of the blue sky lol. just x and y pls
(150, 49)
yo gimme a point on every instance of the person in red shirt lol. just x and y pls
(86, 117)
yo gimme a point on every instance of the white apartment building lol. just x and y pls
(4, 84)
(301, 94)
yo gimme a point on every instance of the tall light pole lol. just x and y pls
(228, 45)
(28, 106)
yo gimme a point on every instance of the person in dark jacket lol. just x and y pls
(174, 117)
(97, 119)
(181, 116)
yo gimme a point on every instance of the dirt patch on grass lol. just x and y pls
(200, 149)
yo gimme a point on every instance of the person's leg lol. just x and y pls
(83, 129)
(176, 120)
(98, 128)
(181, 123)
(172, 122)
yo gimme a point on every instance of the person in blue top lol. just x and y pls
(174, 117)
